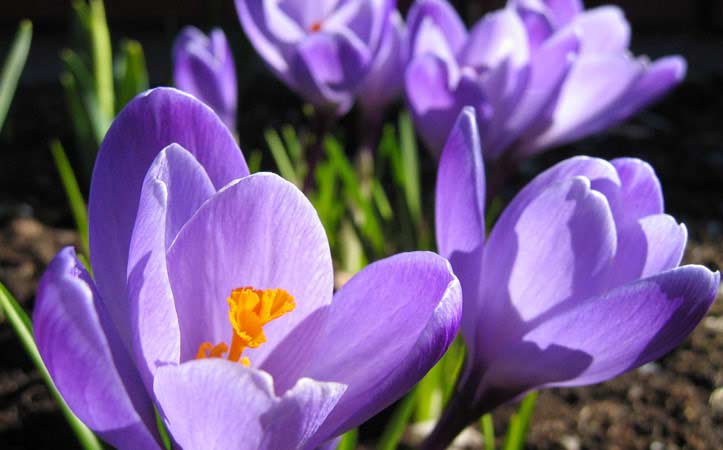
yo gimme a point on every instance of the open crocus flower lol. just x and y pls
(320, 49)
(211, 300)
(539, 73)
(577, 282)
(203, 66)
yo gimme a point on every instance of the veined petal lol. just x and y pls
(499, 36)
(174, 188)
(86, 359)
(387, 327)
(632, 325)
(148, 124)
(640, 192)
(460, 212)
(443, 15)
(262, 232)
(218, 405)
(603, 29)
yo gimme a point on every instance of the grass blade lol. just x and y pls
(410, 167)
(23, 328)
(488, 431)
(394, 430)
(520, 423)
(348, 440)
(102, 59)
(131, 72)
(72, 191)
(13, 67)
(281, 157)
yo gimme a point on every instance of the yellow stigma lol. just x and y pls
(249, 310)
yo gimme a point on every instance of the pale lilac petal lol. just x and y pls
(640, 192)
(563, 11)
(148, 124)
(174, 188)
(385, 80)
(306, 13)
(660, 77)
(262, 232)
(499, 36)
(593, 87)
(632, 325)
(387, 327)
(431, 41)
(549, 65)
(603, 29)
(86, 360)
(220, 405)
(443, 15)
(556, 251)
(460, 212)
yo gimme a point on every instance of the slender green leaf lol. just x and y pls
(520, 423)
(254, 161)
(102, 59)
(394, 430)
(281, 157)
(488, 431)
(381, 200)
(162, 431)
(410, 164)
(131, 72)
(72, 191)
(296, 150)
(349, 440)
(351, 252)
(13, 67)
(84, 83)
(430, 394)
(23, 328)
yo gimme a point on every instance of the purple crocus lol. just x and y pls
(578, 281)
(203, 66)
(320, 49)
(211, 300)
(539, 73)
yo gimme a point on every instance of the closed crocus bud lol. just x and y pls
(578, 282)
(385, 81)
(211, 300)
(323, 50)
(203, 66)
(539, 73)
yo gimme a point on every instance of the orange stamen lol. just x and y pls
(315, 27)
(249, 310)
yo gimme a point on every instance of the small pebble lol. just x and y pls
(657, 446)
(716, 402)
(570, 442)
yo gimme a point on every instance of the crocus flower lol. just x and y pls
(539, 73)
(211, 300)
(385, 81)
(322, 50)
(578, 281)
(203, 66)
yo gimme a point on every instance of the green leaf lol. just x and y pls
(348, 440)
(102, 59)
(254, 161)
(488, 431)
(410, 167)
(430, 393)
(13, 67)
(394, 430)
(22, 325)
(296, 151)
(281, 157)
(131, 72)
(84, 83)
(520, 424)
(72, 191)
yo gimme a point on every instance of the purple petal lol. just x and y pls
(499, 36)
(549, 65)
(174, 188)
(148, 124)
(640, 192)
(556, 250)
(564, 11)
(594, 86)
(204, 67)
(262, 232)
(632, 325)
(218, 405)
(460, 211)
(659, 78)
(86, 360)
(385, 80)
(443, 16)
(603, 29)
(387, 327)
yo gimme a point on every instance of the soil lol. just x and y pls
(671, 404)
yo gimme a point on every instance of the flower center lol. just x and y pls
(249, 310)
(315, 27)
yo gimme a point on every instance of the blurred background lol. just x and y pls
(676, 403)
